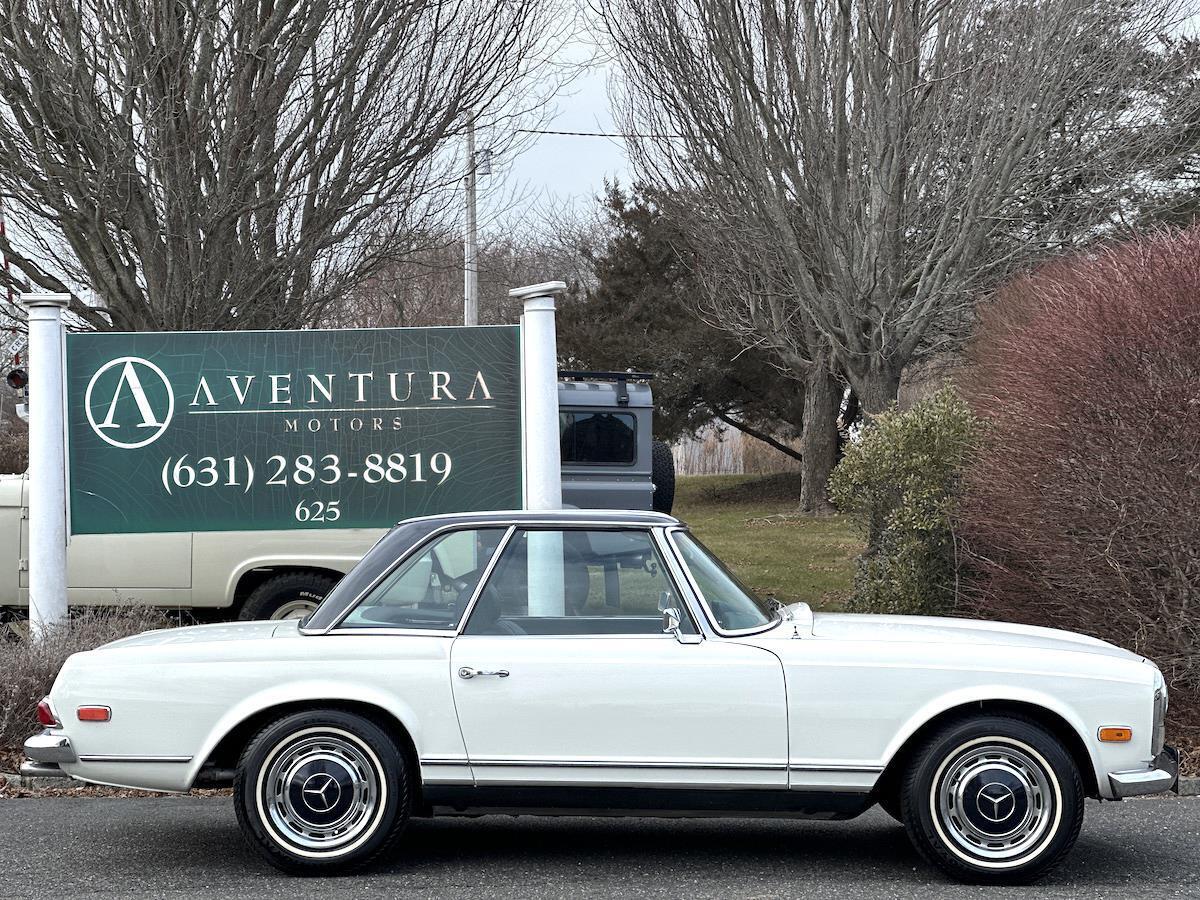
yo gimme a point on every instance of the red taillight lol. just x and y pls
(94, 713)
(45, 714)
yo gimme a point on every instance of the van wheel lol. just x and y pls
(993, 800)
(322, 792)
(662, 469)
(292, 595)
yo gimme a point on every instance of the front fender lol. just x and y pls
(965, 697)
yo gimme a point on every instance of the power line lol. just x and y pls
(605, 134)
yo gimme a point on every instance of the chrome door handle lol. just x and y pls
(468, 672)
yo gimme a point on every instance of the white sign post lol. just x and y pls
(543, 462)
(539, 355)
(47, 464)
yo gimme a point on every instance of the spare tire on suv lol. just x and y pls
(663, 464)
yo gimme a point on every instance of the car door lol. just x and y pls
(563, 675)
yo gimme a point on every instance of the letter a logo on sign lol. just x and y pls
(125, 393)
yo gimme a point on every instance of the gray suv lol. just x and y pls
(610, 459)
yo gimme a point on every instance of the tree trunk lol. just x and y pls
(819, 440)
(876, 390)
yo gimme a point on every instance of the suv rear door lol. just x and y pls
(606, 438)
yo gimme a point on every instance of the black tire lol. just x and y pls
(993, 800)
(334, 763)
(662, 468)
(279, 595)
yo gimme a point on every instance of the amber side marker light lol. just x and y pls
(94, 713)
(1116, 735)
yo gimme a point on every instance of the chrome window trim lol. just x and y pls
(499, 519)
(682, 578)
(579, 637)
(389, 631)
(484, 579)
(571, 515)
(670, 532)
(580, 526)
(419, 547)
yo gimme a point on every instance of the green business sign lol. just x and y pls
(230, 431)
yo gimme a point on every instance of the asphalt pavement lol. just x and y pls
(191, 847)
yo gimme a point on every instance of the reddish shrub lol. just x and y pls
(1083, 510)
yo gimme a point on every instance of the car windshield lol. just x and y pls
(732, 606)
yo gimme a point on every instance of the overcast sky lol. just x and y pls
(559, 169)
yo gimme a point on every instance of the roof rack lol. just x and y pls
(621, 378)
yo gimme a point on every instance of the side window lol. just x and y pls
(598, 438)
(577, 583)
(430, 590)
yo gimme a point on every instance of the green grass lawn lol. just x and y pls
(792, 557)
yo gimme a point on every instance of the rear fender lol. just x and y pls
(310, 693)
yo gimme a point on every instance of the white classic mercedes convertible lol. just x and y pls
(576, 661)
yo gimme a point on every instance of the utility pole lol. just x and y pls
(471, 247)
(7, 271)
(477, 164)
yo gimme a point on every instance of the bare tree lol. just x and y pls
(883, 162)
(743, 272)
(242, 163)
(425, 286)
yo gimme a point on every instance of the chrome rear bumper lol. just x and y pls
(49, 747)
(1160, 776)
(31, 769)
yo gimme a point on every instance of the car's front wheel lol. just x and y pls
(993, 800)
(321, 792)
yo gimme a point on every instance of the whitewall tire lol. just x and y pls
(321, 792)
(993, 800)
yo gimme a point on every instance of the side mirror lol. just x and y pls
(671, 626)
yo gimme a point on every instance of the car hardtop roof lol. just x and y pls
(636, 517)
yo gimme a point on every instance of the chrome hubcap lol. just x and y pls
(994, 800)
(321, 790)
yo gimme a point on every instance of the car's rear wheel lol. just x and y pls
(322, 792)
(993, 800)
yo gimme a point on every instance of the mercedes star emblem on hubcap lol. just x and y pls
(996, 801)
(321, 792)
